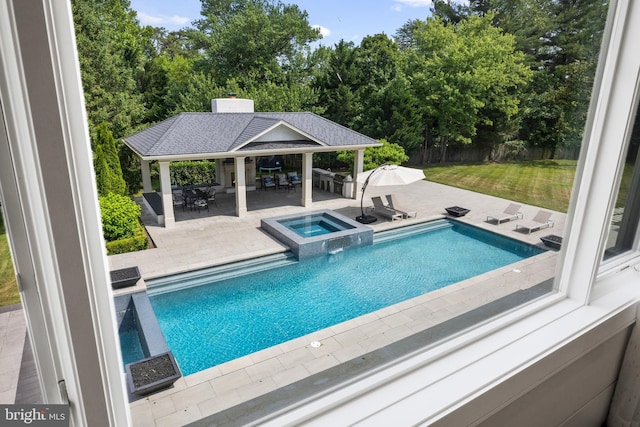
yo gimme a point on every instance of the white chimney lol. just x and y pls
(232, 105)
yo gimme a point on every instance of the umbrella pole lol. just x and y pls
(367, 219)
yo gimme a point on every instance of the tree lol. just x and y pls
(449, 11)
(338, 85)
(107, 163)
(561, 39)
(110, 46)
(393, 113)
(252, 41)
(459, 71)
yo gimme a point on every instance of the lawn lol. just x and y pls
(8, 287)
(544, 183)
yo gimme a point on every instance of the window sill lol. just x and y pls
(462, 368)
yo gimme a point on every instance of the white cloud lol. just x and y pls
(323, 30)
(162, 20)
(411, 3)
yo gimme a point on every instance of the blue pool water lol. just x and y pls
(130, 346)
(210, 324)
(314, 225)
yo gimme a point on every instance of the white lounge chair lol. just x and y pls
(540, 221)
(379, 208)
(393, 204)
(511, 212)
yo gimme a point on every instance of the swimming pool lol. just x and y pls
(222, 320)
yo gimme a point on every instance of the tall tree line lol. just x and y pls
(477, 75)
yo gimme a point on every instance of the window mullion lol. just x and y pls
(606, 134)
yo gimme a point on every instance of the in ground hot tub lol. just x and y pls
(317, 233)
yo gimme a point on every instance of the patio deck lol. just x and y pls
(225, 393)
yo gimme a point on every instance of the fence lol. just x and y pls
(498, 153)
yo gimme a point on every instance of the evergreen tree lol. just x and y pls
(103, 173)
(110, 178)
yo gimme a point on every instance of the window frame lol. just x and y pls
(481, 353)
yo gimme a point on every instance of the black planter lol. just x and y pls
(457, 211)
(124, 277)
(152, 374)
(552, 241)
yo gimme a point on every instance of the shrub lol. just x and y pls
(119, 217)
(130, 244)
(192, 172)
(376, 156)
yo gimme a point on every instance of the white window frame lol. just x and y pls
(71, 324)
(449, 374)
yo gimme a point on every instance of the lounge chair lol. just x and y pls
(393, 204)
(381, 209)
(511, 212)
(540, 221)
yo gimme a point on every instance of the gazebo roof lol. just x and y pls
(201, 135)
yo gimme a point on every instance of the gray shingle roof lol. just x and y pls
(212, 133)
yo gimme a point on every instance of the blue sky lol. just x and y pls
(350, 20)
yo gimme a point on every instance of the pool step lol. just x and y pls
(207, 275)
(410, 230)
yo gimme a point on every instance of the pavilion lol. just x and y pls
(235, 136)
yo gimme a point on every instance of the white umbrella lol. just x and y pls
(390, 175)
(385, 175)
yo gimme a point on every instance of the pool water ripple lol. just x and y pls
(214, 323)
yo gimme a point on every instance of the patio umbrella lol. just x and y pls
(385, 175)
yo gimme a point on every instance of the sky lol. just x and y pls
(350, 20)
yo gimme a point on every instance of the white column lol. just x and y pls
(358, 167)
(241, 186)
(307, 177)
(167, 196)
(146, 176)
(220, 173)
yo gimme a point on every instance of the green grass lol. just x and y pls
(543, 183)
(8, 288)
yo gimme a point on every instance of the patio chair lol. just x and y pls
(211, 195)
(539, 222)
(282, 181)
(381, 209)
(393, 204)
(189, 198)
(268, 182)
(511, 212)
(179, 200)
(294, 178)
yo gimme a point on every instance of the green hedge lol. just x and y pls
(130, 244)
(121, 224)
(192, 172)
